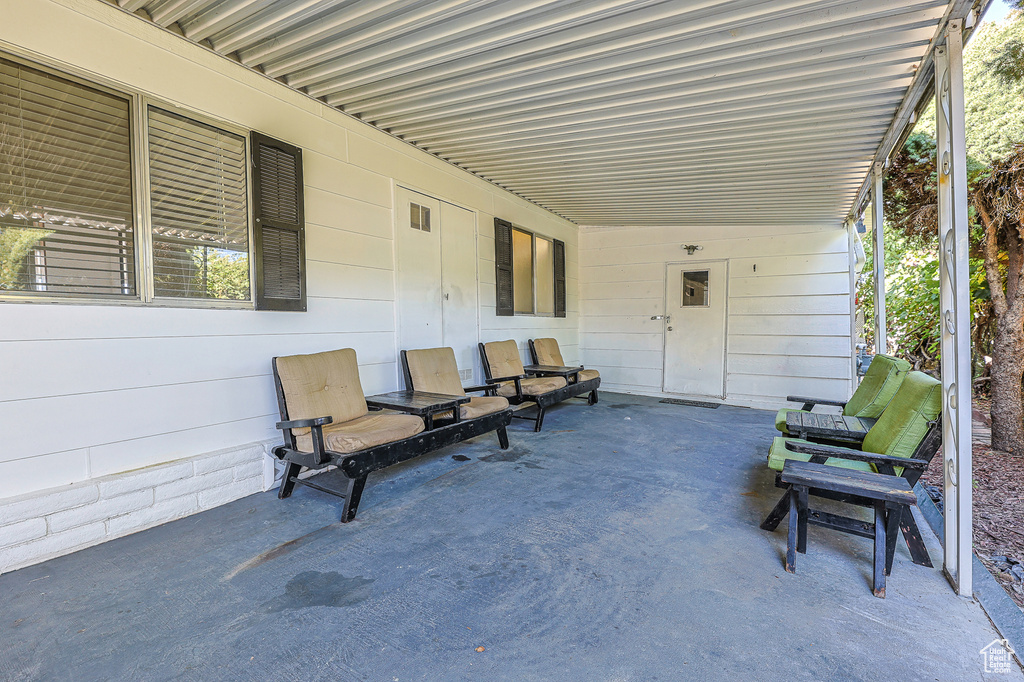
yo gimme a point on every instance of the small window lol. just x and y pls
(66, 207)
(419, 217)
(529, 272)
(522, 271)
(198, 195)
(695, 289)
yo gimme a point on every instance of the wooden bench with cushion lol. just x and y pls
(435, 370)
(503, 367)
(326, 422)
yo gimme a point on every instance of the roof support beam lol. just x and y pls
(955, 302)
(878, 222)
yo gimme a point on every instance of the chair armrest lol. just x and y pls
(856, 455)
(496, 380)
(305, 423)
(476, 389)
(809, 403)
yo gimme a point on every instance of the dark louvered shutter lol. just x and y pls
(280, 244)
(559, 268)
(503, 267)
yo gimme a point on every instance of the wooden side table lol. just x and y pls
(571, 374)
(420, 403)
(833, 427)
(891, 496)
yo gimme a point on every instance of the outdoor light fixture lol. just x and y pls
(690, 248)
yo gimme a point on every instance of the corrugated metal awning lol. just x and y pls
(607, 112)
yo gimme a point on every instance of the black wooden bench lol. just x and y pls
(326, 422)
(890, 497)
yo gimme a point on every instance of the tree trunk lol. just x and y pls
(1008, 341)
(1006, 387)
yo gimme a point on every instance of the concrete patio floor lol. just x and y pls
(622, 543)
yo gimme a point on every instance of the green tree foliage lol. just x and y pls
(912, 298)
(993, 89)
(220, 274)
(15, 245)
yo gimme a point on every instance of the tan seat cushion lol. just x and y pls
(532, 386)
(503, 359)
(364, 432)
(476, 407)
(434, 370)
(322, 385)
(548, 352)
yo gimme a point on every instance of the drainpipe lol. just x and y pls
(954, 274)
(877, 219)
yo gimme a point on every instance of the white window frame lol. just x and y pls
(139, 103)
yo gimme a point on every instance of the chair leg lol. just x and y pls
(878, 574)
(802, 505)
(540, 419)
(593, 398)
(794, 531)
(503, 438)
(352, 495)
(291, 470)
(892, 527)
(915, 543)
(771, 522)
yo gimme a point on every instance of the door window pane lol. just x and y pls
(545, 276)
(65, 187)
(695, 288)
(522, 271)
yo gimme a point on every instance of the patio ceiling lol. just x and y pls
(609, 112)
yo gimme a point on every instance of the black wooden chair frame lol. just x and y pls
(486, 390)
(356, 466)
(913, 467)
(544, 400)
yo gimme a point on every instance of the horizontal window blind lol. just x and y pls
(200, 212)
(65, 186)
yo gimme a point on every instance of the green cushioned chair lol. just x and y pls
(897, 433)
(884, 376)
(901, 443)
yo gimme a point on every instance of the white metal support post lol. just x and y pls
(955, 308)
(877, 221)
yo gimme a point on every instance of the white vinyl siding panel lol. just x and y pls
(788, 315)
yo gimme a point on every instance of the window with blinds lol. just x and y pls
(199, 208)
(65, 187)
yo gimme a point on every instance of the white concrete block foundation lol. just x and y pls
(49, 523)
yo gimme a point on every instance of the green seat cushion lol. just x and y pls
(904, 423)
(778, 455)
(884, 377)
(780, 419)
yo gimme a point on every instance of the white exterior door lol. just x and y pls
(459, 288)
(695, 300)
(436, 277)
(418, 277)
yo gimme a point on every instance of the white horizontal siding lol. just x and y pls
(789, 307)
(93, 390)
